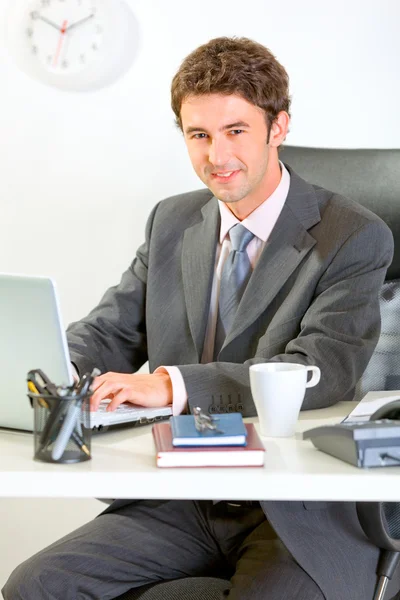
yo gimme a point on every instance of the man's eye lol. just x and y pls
(236, 131)
(200, 136)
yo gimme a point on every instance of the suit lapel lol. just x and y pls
(288, 244)
(198, 262)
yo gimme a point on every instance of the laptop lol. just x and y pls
(32, 337)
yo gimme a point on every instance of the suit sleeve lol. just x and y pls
(113, 335)
(338, 333)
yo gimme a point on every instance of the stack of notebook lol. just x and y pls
(233, 444)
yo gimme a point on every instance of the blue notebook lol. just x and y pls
(184, 432)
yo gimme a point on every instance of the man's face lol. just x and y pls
(226, 137)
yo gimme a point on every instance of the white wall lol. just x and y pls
(79, 173)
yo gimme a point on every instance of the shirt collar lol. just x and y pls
(260, 220)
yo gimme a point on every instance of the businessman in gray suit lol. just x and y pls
(307, 266)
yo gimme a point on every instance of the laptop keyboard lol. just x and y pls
(126, 413)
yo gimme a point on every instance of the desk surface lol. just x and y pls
(123, 466)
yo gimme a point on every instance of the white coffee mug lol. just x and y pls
(278, 391)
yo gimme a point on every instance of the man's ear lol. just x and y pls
(279, 129)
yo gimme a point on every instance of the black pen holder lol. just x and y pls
(62, 432)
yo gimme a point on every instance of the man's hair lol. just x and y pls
(233, 66)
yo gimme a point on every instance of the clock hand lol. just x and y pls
(60, 41)
(49, 22)
(80, 22)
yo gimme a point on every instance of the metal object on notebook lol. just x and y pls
(204, 422)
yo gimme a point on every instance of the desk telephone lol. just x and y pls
(373, 443)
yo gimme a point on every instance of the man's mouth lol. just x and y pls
(224, 176)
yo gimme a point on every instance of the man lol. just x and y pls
(259, 266)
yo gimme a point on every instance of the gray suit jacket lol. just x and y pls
(312, 299)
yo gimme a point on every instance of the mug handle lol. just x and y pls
(315, 377)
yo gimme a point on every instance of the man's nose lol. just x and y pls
(219, 154)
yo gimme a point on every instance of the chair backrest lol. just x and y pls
(372, 178)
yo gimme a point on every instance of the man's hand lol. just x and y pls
(145, 390)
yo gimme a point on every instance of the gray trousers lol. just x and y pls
(156, 540)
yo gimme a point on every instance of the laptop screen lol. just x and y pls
(31, 337)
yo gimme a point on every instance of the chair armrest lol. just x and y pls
(380, 522)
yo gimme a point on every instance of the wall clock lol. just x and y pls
(76, 45)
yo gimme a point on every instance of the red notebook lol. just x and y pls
(168, 455)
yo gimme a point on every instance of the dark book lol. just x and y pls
(167, 455)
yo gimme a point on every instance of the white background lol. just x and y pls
(79, 173)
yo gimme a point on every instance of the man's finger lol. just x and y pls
(122, 396)
(98, 381)
(104, 391)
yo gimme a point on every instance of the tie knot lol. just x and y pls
(240, 237)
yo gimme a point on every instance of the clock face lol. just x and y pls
(76, 45)
(64, 35)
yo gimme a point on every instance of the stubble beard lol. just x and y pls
(247, 188)
(230, 197)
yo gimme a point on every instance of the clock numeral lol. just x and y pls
(45, 3)
(29, 32)
(95, 47)
(64, 64)
(34, 15)
(82, 58)
(34, 49)
(99, 29)
(49, 59)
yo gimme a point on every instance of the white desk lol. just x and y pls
(123, 466)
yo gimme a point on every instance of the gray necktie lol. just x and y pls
(234, 278)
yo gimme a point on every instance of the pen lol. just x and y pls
(66, 429)
(64, 391)
(86, 381)
(79, 442)
(76, 436)
(52, 423)
(82, 390)
(42, 382)
(32, 388)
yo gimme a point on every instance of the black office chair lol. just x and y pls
(381, 524)
(372, 178)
